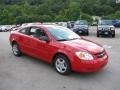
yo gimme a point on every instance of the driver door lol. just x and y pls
(40, 48)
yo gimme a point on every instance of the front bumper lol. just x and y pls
(106, 32)
(81, 31)
(89, 66)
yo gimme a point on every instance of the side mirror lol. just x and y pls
(44, 38)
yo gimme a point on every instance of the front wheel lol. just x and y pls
(62, 65)
(113, 35)
(98, 35)
(16, 50)
(87, 33)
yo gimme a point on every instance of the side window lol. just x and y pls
(39, 33)
(24, 31)
(32, 31)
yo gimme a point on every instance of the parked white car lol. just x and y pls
(5, 28)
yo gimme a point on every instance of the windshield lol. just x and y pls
(62, 34)
(105, 22)
(81, 22)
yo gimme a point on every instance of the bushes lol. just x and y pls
(22, 11)
(87, 17)
(116, 15)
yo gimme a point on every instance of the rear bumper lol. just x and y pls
(89, 66)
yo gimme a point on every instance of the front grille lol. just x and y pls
(106, 29)
(100, 55)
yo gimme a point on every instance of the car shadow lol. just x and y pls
(88, 75)
(34, 60)
(28, 60)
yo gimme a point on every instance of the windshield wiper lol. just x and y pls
(67, 39)
(62, 40)
(73, 38)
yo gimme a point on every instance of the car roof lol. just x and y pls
(42, 25)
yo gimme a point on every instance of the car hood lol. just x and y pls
(85, 45)
(81, 26)
(106, 26)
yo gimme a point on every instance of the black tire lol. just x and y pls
(87, 33)
(113, 35)
(78, 33)
(16, 50)
(58, 64)
(98, 34)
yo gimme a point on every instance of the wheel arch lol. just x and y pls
(13, 42)
(60, 53)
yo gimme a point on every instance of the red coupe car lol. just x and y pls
(60, 47)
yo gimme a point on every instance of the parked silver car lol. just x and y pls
(105, 27)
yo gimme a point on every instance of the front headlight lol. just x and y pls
(84, 55)
(99, 28)
(112, 28)
(86, 28)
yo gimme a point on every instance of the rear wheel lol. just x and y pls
(16, 50)
(62, 65)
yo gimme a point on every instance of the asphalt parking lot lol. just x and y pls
(27, 73)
